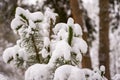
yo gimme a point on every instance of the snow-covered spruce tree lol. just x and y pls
(47, 50)
(32, 28)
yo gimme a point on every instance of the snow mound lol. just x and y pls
(2, 77)
(38, 72)
(68, 72)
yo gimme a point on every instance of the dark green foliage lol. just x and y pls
(19, 61)
(10, 59)
(102, 73)
(18, 27)
(61, 61)
(21, 15)
(36, 50)
(75, 62)
(46, 60)
(70, 35)
(37, 21)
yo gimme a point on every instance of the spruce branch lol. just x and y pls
(51, 27)
(36, 50)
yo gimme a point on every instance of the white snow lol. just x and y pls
(62, 49)
(79, 57)
(30, 2)
(68, 72)
(97, 73)
(77, 30)
(45, 33)
(10, 53)
(33, 2)
(16, 22)
(78, 44)
(62, 35)
(37, 16)
(31, 24)
(2, 77)
(70, 22)
(118, 63)
(60, 26)
(45, 25)
(50, 15)
(96, 69)
(88, 73)
(102, 68)
(46, 41)
(38, 72)
(21, 11)
(44, 53)
(96, 76)
(22, 54)
(116, 77)
(46, 45)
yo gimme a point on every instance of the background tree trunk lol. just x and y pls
(104, 36)
(77, 14)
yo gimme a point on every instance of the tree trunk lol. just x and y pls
(77, 14)
(104, 36)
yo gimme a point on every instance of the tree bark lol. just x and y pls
(77, 15)
(104, 36)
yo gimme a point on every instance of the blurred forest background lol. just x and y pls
(99, 19)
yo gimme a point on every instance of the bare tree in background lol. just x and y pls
(78, 15)
(104, 36)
